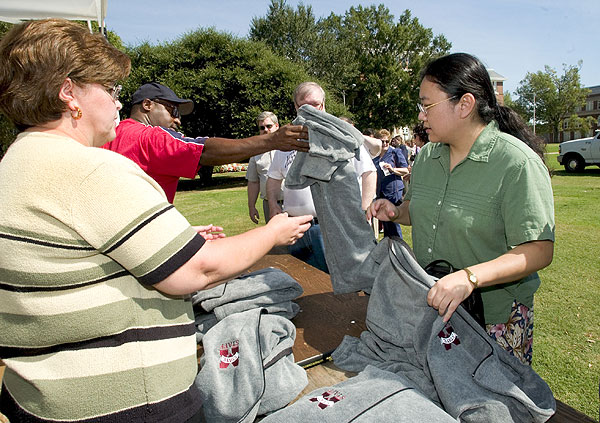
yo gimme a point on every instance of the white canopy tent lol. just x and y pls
(84, 10)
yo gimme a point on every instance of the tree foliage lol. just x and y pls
(583, 125)
(230, 80)
(556, 96)
(368, 59)
(7, 129)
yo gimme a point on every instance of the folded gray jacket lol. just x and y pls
(373, 396)
(267, 288)
(248, 367)
(455, 364)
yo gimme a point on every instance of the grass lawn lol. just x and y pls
(567, 305)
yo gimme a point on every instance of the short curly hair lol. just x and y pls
(420, 132)
(37, 57)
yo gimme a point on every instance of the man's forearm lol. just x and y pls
(218, 151)
(253, 190)
(273, 189)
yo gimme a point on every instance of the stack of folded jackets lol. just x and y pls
(270, 289)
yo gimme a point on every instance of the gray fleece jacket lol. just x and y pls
(269, 288)
(455, 364)
(327, 169)
(373, 396)
(248, 367)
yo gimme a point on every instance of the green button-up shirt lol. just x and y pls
(498, 197)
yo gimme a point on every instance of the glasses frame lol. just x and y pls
(173, 109)
(115, 91)
(423, 109)
(263, 127)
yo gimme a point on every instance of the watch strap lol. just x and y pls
(472, 277)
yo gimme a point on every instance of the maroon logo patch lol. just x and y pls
(327, 398)
(229, 354)
(448, 337)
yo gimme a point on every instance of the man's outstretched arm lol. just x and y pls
(219, 151)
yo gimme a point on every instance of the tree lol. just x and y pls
(583, 125)
(369, 61)
(299, 27)
(509, 102)
(230, 80)
(7, 130)
(556, 96)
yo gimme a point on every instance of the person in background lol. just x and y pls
(372, 144)
(399, 143)
(420, 138)
(365, 172)
(391, 167)
(95, 318)
(258, 166)
(480, 198)
(311, 248)
(150, 138)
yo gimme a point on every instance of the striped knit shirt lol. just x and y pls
(84, 234)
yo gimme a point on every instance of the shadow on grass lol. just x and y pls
(588, 171)
(218, 181)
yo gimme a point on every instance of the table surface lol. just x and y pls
(324, 318)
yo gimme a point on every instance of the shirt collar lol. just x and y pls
(481, 148)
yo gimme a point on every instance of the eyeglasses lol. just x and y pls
(423, 109)
(268, 126)
(115, 91)
(171, 108)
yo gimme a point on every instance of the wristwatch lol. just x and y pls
(472, 277)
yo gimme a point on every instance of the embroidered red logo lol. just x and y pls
(448, 337)
(229, 354)
(327, 398)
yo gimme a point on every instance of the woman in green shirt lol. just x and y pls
(480, 198)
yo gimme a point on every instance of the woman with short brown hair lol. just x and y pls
(96, 265)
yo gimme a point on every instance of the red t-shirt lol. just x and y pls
(164, 154)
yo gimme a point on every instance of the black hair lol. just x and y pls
(369, 131)
(461, 73)
(420, 131)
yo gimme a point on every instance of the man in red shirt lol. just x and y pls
(150, 138)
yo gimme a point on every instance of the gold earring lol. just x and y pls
(76, 114)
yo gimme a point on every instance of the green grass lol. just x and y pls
(567, 305)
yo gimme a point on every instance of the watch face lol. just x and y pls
(472, 278)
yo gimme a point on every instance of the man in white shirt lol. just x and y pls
(299, 202)
(258, 167)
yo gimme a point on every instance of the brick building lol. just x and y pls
(498, 83)
(591, 108)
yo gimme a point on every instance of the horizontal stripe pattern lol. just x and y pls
(177, 408)
(82, 338)
(90, 324)
(148, 347)
(42, 302)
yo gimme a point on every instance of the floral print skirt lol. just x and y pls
(516, 335)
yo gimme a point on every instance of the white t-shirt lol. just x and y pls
(298, 202)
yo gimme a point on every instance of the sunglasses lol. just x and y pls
(263, 127)
(171, 108)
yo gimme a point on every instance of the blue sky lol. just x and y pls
(511, 36)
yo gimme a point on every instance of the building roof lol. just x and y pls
(595, 90)
(495, 76)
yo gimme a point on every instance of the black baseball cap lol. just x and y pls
(155, 90)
